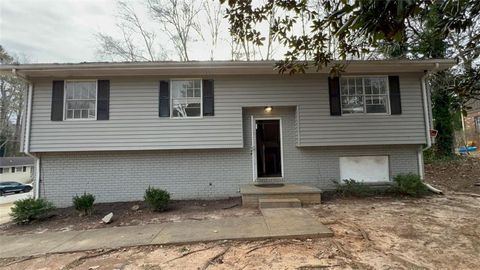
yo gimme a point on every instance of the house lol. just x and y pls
(18, 169)
(472, 124)
(203, 129)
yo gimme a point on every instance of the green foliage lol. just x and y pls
(84, 203)
(410, 184)
(27, 210)
(443, 122)
(457, 120)
(353, 188)
(429, 157)
(157, 199)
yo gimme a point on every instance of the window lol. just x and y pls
(80, 100)
(366, 169)
(13, 169)
(477, 124)
(1, 170)
(4, 170)
(18, 169)
(24, 169)
(186, 98)
(364, 95)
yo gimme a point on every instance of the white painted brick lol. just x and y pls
(186, 174)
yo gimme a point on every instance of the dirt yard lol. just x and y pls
(437, 232)
(461, 175)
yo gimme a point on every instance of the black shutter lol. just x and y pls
(208, 98)
(57, 101)
(103, 99)
(395, 99)
(334, 94)
(164, 99)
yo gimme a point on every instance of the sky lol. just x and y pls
(63, 31)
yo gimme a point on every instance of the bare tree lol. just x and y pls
(179, 19)
(214, 14)
(235, 49)
(136, 42)
(11, 104)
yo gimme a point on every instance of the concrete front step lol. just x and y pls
(251, 194)
(279, 203)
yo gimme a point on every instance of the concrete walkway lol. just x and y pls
(275, 223)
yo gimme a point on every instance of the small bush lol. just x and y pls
(26, 210)
(354, 188)
(84, 203)
(410, 184)
(157, 199)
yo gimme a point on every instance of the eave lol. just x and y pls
(210, 68)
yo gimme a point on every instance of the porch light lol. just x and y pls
(268, 109)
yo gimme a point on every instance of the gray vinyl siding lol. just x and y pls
(202, 173)
(134, 123)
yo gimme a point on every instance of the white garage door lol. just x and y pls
(367, 169)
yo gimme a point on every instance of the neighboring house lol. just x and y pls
(202, 129)
(472, 124)
(18, 169)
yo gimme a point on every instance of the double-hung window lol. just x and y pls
(80, 100)
(186, 98)
(364, 95)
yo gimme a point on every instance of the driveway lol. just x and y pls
(6, 202)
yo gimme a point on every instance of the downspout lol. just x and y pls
(428, 125)
(26, 143)
(426, 117)
(426, 112)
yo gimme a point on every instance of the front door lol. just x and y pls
(268, 148)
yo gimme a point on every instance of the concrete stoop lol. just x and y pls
(253, 194)
(279, 203)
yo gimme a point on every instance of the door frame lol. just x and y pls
(253, 149)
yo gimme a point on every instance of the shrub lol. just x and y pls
(84, 203)
(157, 199)
(410, 184)
(354, 188)
(26, 210)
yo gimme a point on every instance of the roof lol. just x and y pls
(474, 106)
(192, 68)
(16, 161)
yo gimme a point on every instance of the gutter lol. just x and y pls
(209, 68)
(26, 143)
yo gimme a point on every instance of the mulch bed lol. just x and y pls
(67, 219)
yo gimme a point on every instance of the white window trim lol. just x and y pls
(171, 98)
(364, 104)
(65, 100)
